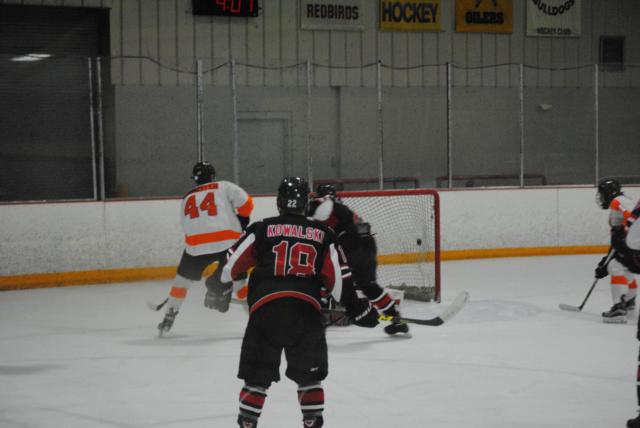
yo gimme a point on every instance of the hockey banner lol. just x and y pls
(554, 18)
(337, 15)
(484, 16)
(410, 15)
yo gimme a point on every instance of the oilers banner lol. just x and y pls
(410, 15)
(554, 18)
(484, 16)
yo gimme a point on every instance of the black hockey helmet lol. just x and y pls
(608, 189)
(326, 190)
(203, 172)
(293, 195)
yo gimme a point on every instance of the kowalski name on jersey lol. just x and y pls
(295, 231)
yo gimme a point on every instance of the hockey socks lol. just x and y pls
(311, 399)
(380, 299)
(251, 402)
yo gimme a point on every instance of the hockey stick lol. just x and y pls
(572, 308)
(158, 306)
(455, 307)
(565, 307)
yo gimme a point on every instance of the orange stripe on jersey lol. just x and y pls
(245, 210)
(178, 292)
(618, 279)
(208, 238)
(615, 204)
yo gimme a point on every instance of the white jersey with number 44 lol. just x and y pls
(209, 216)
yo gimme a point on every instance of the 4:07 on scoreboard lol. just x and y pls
(246, 8)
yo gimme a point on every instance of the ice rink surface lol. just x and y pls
(90, 357)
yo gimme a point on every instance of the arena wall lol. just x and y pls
(88, 242)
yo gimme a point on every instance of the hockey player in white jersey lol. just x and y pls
(632, 242)
(623, 283)
(213, 216)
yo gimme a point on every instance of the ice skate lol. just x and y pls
(397, 326)
(246, 422)
(316, 422)
(630, 305)
(616, 315)
(167, 322)
(634, 423)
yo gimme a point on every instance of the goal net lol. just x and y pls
(406, 226)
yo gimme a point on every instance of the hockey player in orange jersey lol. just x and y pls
(623, 283)
(213, 216)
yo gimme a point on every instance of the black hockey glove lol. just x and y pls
(601, 270)
(363, 314)
(244, 221)
(218, 297)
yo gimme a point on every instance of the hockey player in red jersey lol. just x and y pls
(295, 261)
(213, 215)
(359, 245)
(623, 284)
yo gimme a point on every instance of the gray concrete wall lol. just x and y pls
(151, 142)
(156, 144)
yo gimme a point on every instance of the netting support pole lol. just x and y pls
(308, 130)
(449, 125)
(380, 127)
(92, 125)
(596, 121)
(234, 110)
(521, 96)
(100, 130)
(199, 111)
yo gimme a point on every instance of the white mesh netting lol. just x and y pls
(405, 226)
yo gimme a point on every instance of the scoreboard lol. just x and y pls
(246, 8)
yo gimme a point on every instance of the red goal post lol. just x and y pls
(406, 225)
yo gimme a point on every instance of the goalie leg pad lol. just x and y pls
(219, 297)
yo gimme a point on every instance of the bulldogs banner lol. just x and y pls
(554, 18)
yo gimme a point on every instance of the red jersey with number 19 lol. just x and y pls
(209, 216)
(292, 257)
